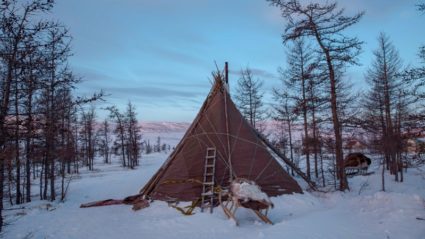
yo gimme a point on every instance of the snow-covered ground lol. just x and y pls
(364, 212)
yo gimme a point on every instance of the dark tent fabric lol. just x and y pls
(219, 124)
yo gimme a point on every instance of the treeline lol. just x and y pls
(47, 133)
(38, 112)
(148, 148)
(317, 98)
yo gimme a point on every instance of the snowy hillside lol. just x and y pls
(364, 212)
(154, 127)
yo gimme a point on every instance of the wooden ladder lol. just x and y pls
(207, 195)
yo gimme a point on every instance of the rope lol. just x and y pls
(177, 181)
(188, 210)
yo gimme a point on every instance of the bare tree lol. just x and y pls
(296, 78)
(158, 144)
(58, 79)
(324, 23)
(36, 104)
(88, 137)
(383, 77)
(134, 136)
(317, 107)
(104, 141)
(119, 131)
(17, 26)
(249, 98)
(416, 77)
(284, 113)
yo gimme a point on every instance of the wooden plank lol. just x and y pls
(263, 217)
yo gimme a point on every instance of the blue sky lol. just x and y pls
(159, 54)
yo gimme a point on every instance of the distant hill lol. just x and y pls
(149, 127)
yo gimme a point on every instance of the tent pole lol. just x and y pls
(287, 161)
(226, 72)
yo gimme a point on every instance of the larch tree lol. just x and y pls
(57, 80)
(249, 98)
(324, 24)
(316, 107)
(134, 136)
(36, 102)
(88, 136)
(119, 131)
(296, 77)
(104, 141)
(284, 114)
(128, 135)
(416, 76)
(17, 26)
(383, 76)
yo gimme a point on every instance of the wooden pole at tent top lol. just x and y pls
(229, 152)
(226, 74)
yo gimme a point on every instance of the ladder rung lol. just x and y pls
(208, 184)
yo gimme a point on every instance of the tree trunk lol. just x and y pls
(383, 175)
(1, 187)
(52, 179)
(321, 169)
(291, 148)
(337, 131)
(335, 119)
(41, 179)
(315, 140)
(304, 109)
(4, 109)
(46, 174)
(123, 148)
(28, 169)
(18, 198)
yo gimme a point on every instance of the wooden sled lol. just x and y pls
(353, 171)
(231, 204)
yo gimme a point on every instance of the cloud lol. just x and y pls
(260, 73)
(153, 92)
(174, 55)
(89, 74)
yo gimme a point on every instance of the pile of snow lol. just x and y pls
(248, 190)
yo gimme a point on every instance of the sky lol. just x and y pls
(159, 54)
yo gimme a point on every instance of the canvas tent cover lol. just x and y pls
(219, 124)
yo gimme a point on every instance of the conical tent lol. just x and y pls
(240, 153)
